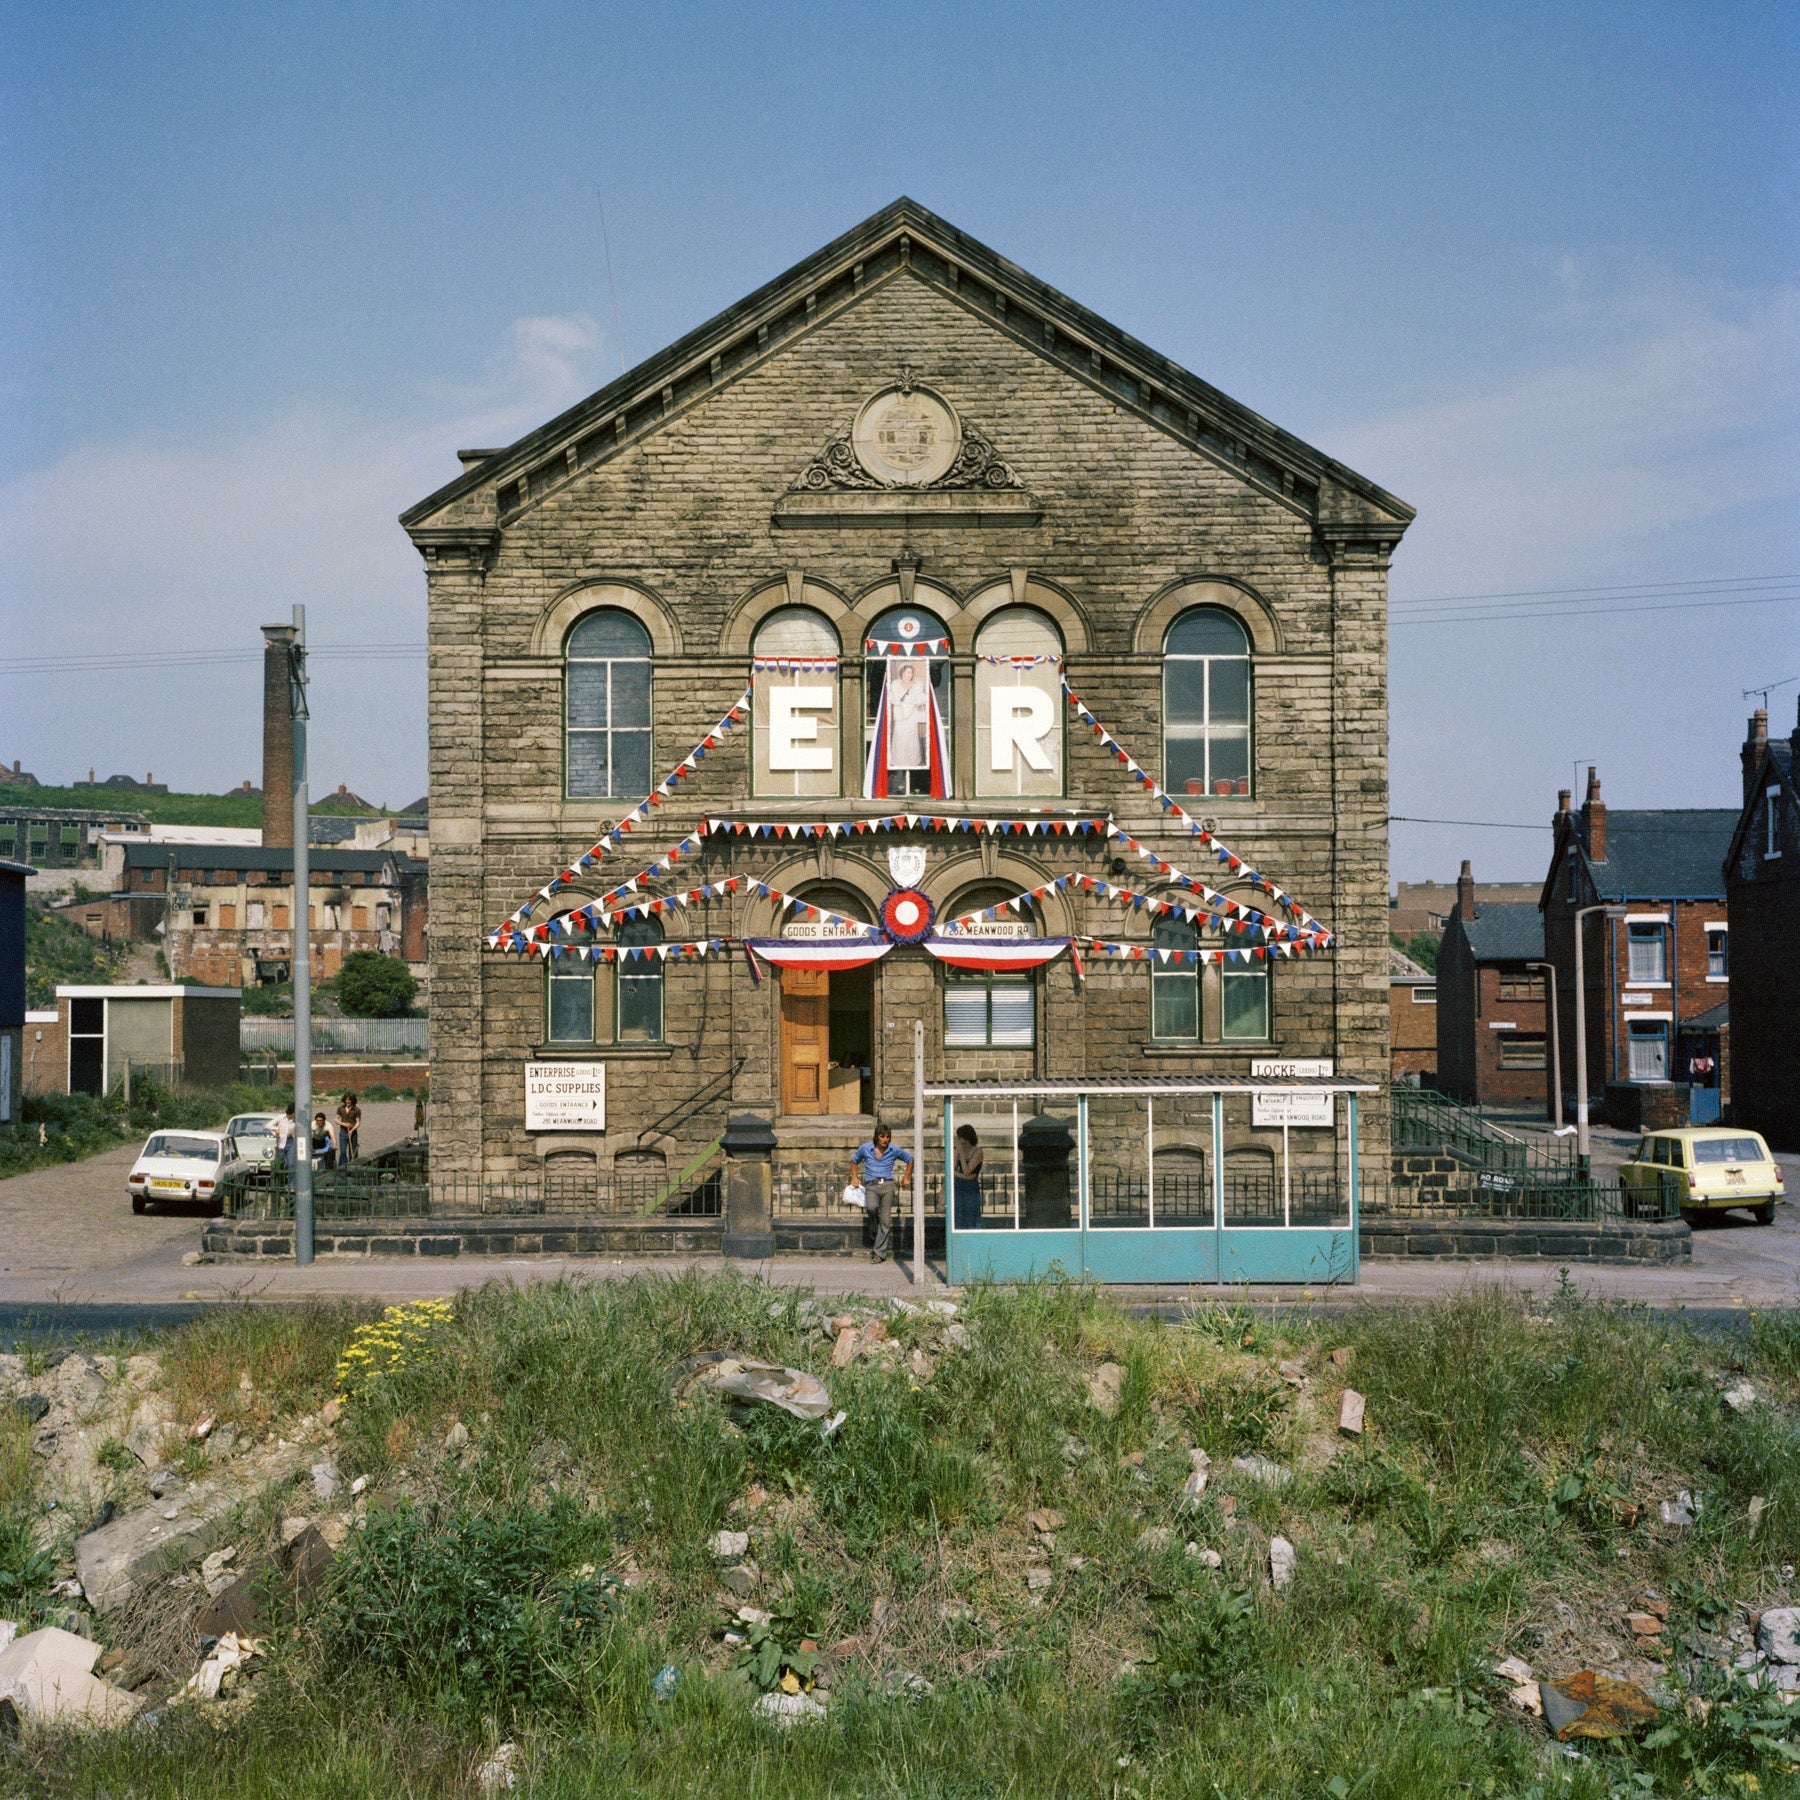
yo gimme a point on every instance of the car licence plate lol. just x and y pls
(178, 1187)
(1734, 1177)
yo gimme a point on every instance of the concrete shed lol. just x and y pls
(174, 1033)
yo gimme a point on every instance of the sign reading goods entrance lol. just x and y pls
(565, 1096)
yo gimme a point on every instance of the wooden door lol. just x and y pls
(805, 1039)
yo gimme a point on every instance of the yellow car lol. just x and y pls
(1709, 1167)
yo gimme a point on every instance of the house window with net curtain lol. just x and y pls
(1174, 984)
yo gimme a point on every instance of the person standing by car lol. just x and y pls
(349, 1122)
(882, 1168)
(324, 1151)
(284, 1139)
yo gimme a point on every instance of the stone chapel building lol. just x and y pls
(902, 589)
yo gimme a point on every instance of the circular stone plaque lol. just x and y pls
(907, 436)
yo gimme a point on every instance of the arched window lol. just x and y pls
(606, 687)
(795, 716)
(1018, 715)
(915, 723)
(1206, 704)
(1175, 981)
(638, 984)
(998, 1009)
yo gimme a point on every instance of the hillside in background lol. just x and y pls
(236, 810)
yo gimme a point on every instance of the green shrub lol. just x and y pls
(472, 1612)
(373, 986)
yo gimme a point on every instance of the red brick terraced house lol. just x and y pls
(1492, 1017)
(1655, 976)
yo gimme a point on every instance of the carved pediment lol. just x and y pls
(908, 451)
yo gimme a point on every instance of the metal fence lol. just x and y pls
(1498, 1195)
(362, 1192)
(338, 1037)
(1424, 1120)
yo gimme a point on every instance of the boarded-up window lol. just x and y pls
(228, 915)
(281, 918)
(359, 918)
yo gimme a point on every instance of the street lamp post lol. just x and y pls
(1581, 1084)
(1555, 1043)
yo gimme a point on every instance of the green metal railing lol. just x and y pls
(1498, 1194)
(1424, 1120)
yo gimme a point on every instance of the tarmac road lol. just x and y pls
(73, 1257)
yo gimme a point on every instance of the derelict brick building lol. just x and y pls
(882, 510)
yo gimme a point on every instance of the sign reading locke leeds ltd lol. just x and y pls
(565, 1096)
(1290, 1109)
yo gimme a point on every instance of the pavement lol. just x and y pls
(72, 1254)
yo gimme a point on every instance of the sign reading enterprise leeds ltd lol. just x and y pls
(1291, 1109)
(565, 1096)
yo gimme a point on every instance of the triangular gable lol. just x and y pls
(904, 239)
(1768, 769)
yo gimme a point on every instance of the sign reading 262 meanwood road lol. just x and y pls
(565, 1096)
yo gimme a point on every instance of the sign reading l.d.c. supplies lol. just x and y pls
(565, 1096)
(1299, 1108)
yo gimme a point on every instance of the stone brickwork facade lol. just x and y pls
(1127, 492)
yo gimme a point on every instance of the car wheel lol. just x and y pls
(138, 1203)
(1764, 1214)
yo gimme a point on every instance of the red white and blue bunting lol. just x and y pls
(806, 665)
(996, 955)
(688, 765)
(1175, 810)
(938, 646)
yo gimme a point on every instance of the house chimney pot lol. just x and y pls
(1755, 740)
(1465, 893)
(1593, 819)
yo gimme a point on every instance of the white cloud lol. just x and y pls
(144, 545)
(1684, 410)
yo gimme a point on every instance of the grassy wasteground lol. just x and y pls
(529, 1585)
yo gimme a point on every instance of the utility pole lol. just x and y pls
(1582, 1164)
(303, 1165)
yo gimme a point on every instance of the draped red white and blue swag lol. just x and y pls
(847, 942)
(909, 734)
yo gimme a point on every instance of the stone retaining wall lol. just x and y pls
(1538, 1240)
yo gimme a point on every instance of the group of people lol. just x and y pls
(883, 1170)
(330, 1147)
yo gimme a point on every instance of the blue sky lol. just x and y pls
(262, 270)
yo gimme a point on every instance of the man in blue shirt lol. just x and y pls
(881, 1167)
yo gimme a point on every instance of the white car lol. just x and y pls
(253, 1138)
(182, 1165)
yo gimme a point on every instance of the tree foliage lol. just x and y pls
(373, 986)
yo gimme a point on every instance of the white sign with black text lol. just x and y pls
(565, 1096)
(1293, 1109)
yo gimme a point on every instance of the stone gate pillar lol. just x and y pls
(749, 1146)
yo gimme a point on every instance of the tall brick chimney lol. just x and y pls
(1755, 741)
(278, 741)
(1593, 819)
(1465, 893)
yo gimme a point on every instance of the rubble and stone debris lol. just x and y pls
(790, 1709)
(1350, 1413)
(1753, 1518)
(119, 1559)
(242, 1606)
(1210, 1558)
(324, 1479)
(1778, 1634)
(1193, 1490)
(1678, 1512)
(499, 1773)
(1104, 1387)
(729, 1546)
(47, 1677)
(743, 1382)
(1281, 1561)
(1591, 1705)
(1155, 1537)
(1260, 1468)
(457, 1437)
(1045, 1519)
(1740, 1396)
(219, 1669)
(1037, 1579)
(742, 1578)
